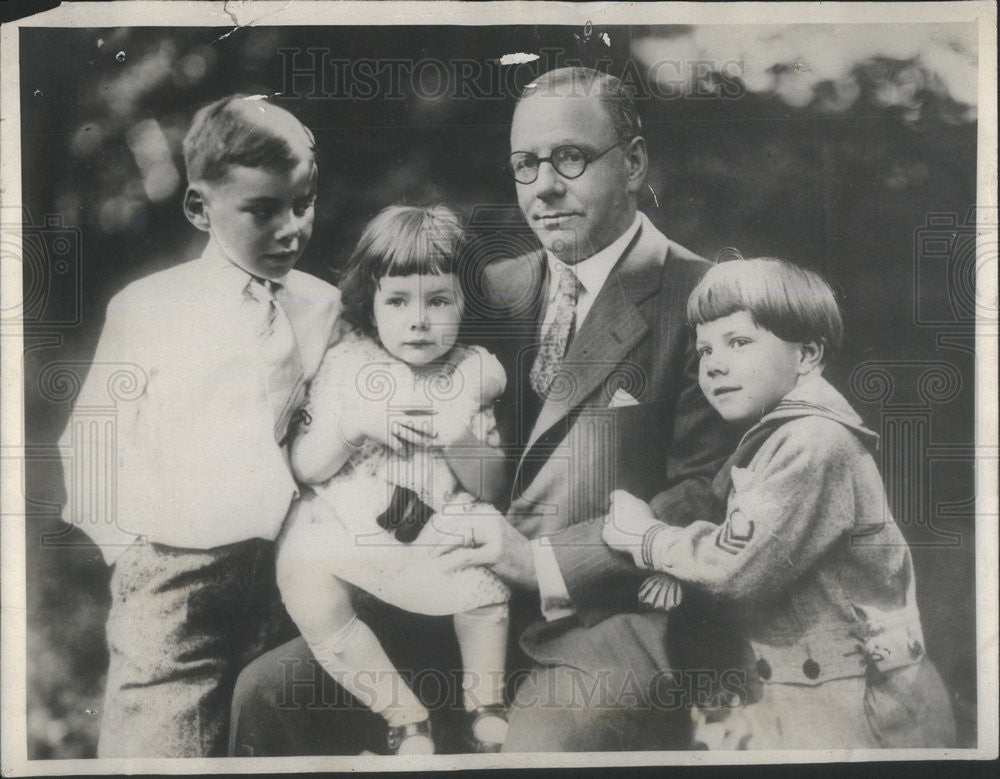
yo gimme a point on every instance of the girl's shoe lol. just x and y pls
(413, 738)
(478, 716)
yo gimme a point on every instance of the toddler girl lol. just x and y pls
(399, 425)
(808, 555)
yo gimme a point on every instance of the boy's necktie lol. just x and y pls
(284, 376)
(556, 340)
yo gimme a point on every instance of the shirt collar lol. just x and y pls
(225, 275)
(594, 271)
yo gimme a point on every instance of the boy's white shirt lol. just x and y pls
(171, 437)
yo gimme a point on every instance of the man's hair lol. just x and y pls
(399, 241)
(795, 304)
(617, 97)
(247, 131)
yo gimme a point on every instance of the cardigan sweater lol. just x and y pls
(809, 554)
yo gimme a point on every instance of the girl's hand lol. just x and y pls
(627, 521)
(398, 432)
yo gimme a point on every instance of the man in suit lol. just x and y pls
(602, 394)
(619, 407)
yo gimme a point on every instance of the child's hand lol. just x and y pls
(627, 520)
(370, 420)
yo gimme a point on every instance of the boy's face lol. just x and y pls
(417, 316)
(261, 220)
(745, 370)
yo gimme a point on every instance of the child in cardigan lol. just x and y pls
(808, 555)
(400, 425)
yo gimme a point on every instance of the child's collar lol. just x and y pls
(815, 397)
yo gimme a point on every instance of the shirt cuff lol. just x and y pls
(655, 546)
(556, 602)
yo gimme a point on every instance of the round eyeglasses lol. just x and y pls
(569, 161)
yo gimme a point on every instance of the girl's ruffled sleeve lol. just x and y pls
(490, 380)
(329, 389)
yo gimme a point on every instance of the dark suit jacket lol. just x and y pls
(573, 450)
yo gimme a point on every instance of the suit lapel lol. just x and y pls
(611, 330)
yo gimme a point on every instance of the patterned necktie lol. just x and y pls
(556, 340)
(285, 379)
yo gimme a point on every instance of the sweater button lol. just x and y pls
(763, 669)
(810, 668)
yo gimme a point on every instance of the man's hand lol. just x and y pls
(490, 540)
(627, 521)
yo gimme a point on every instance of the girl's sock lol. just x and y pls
(354, 657)
(482, 639)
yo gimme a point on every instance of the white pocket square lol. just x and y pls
(621, 399)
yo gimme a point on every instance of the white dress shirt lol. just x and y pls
(172, 435)
(592, 273)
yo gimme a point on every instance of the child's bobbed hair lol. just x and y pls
(399, 241)
(795, 304)
(247, 131)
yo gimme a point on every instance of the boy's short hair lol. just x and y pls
(399, 241)
(247, 131)
(795, 304)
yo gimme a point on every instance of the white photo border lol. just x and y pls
(123, 14)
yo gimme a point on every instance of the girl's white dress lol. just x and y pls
(358, 371)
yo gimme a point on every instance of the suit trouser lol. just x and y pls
(626, 683)
(590, 688)
(608, 687)
(183, 622)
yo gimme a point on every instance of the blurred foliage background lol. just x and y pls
(837, 147)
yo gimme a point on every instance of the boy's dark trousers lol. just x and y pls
(183, 623)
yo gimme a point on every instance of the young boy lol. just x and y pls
(808, 554)
(213, 356)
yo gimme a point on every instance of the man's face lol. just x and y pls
(573, 218)
(262, 220)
